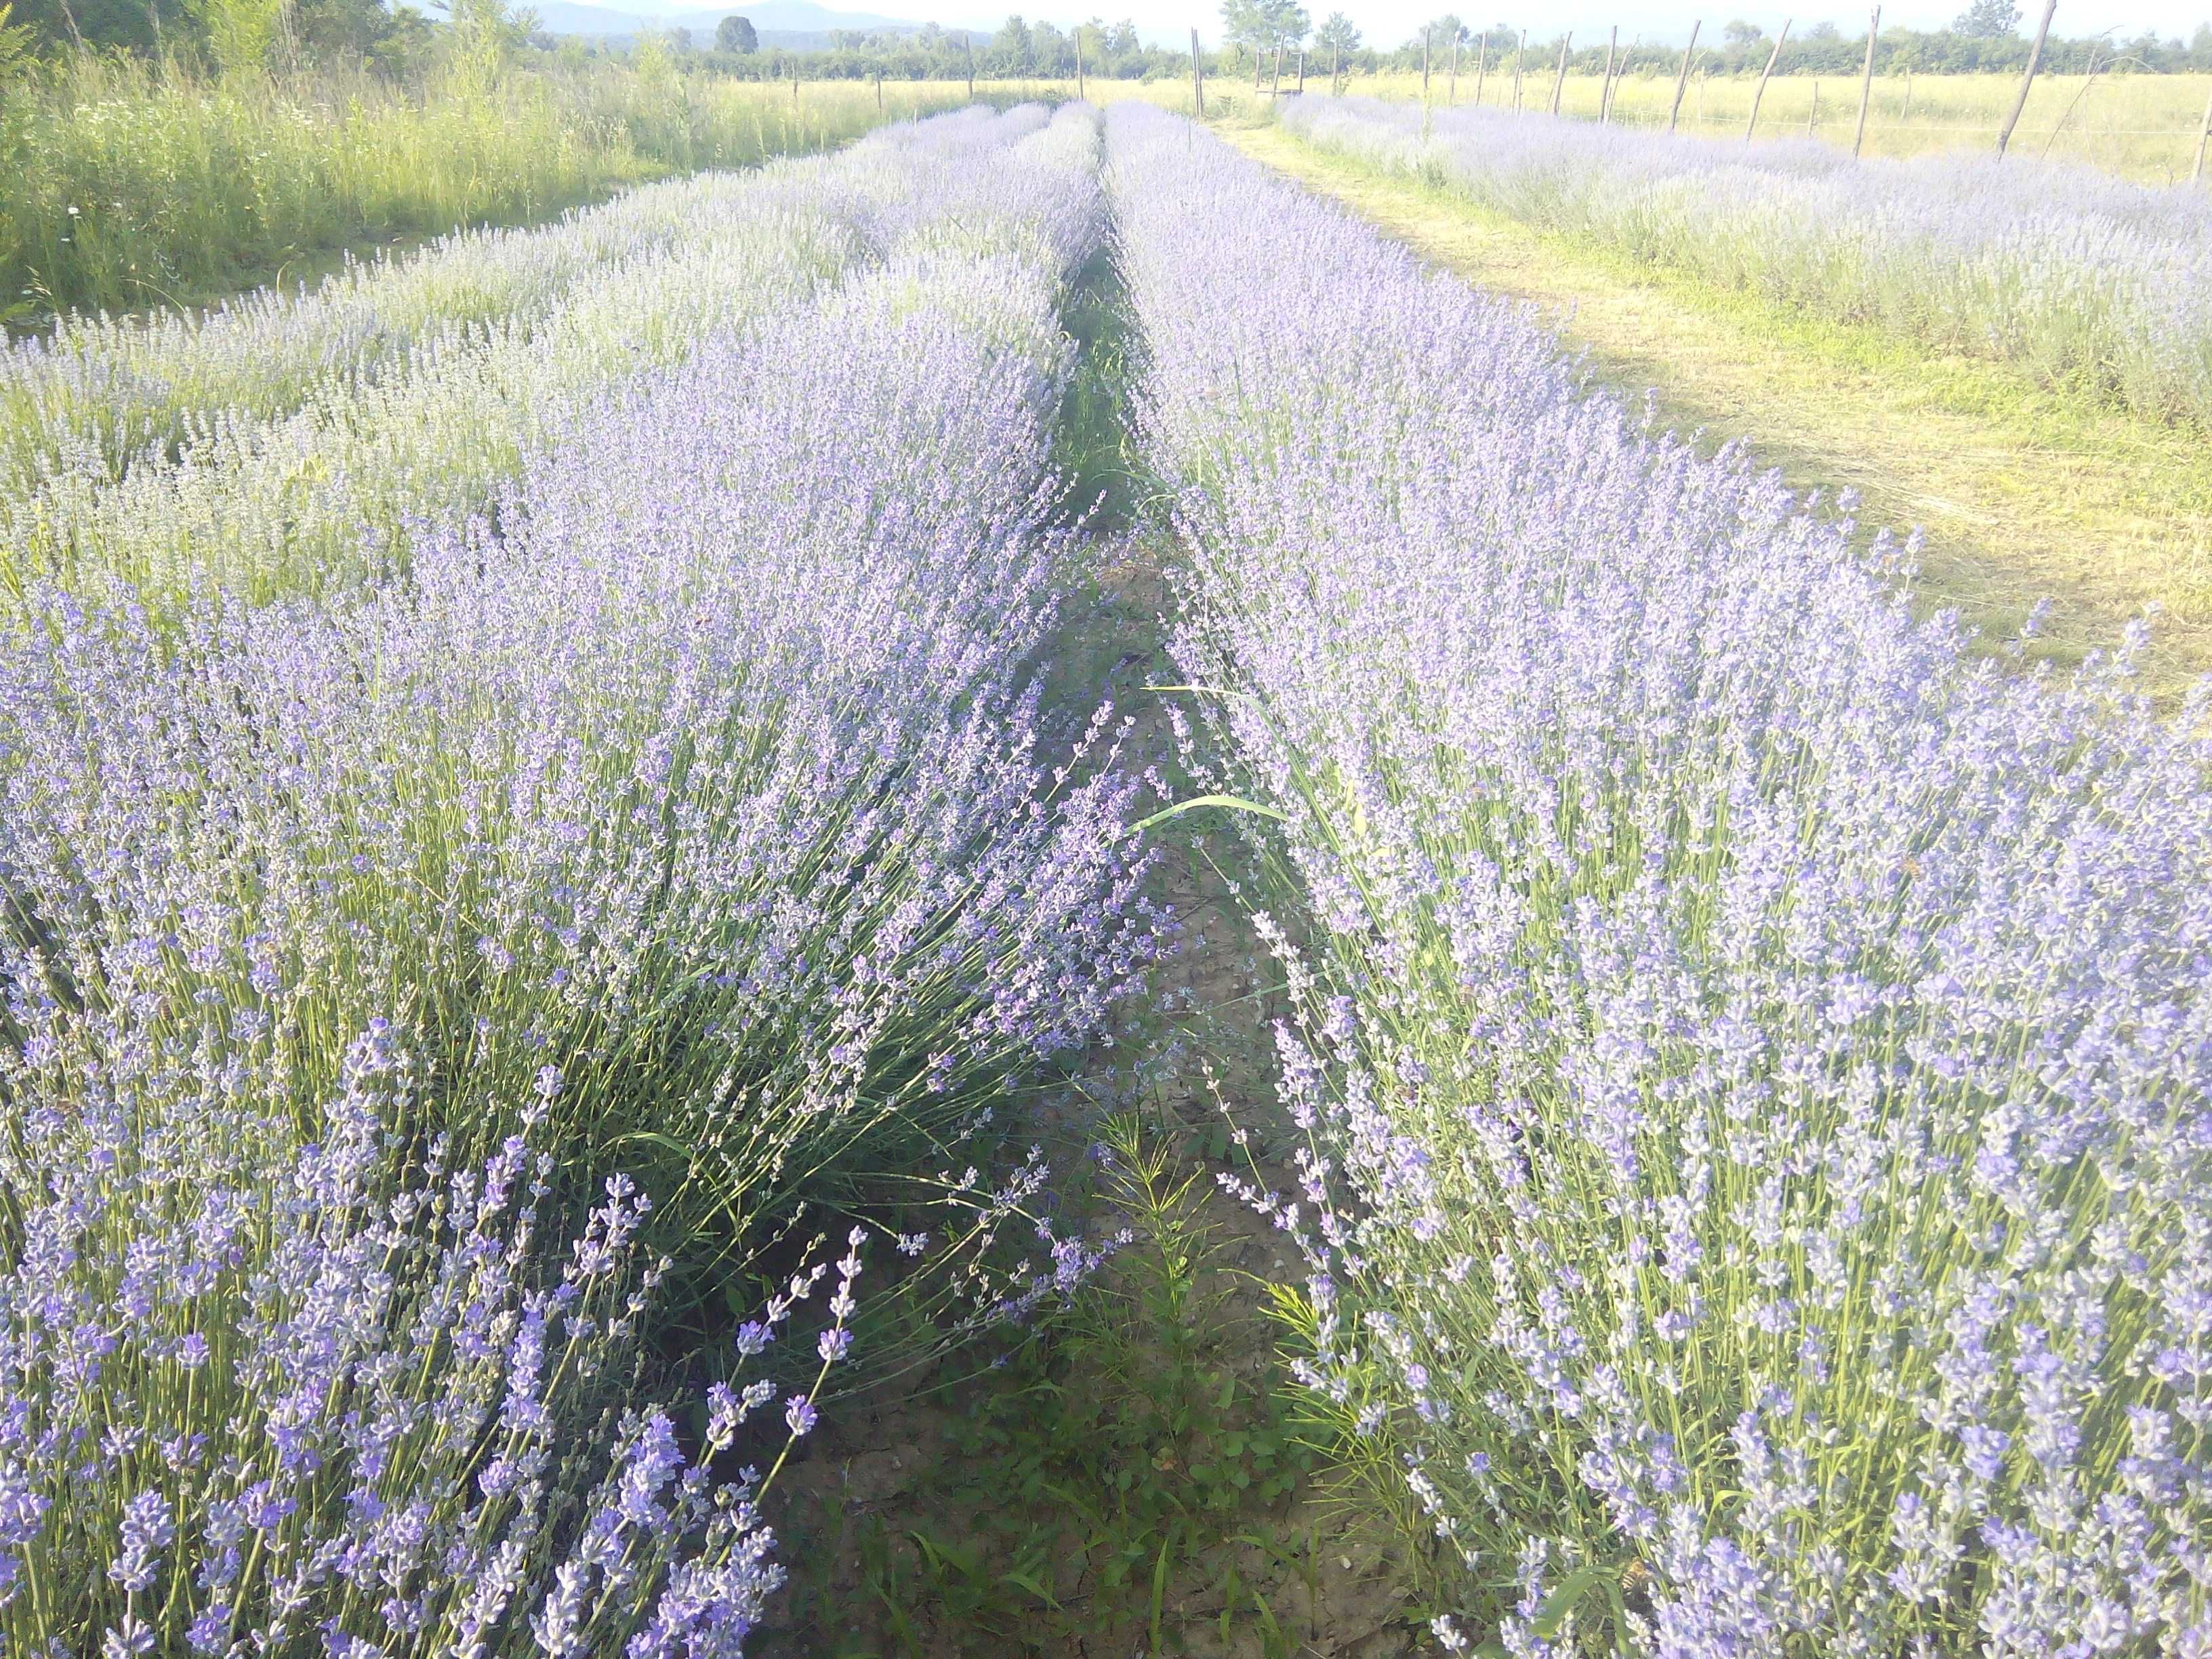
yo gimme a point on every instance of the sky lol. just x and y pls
(1389, 21)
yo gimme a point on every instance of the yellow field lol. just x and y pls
(2141, 126)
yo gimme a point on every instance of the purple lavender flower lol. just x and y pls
(1754, 1043)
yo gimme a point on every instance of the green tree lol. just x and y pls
(1336, 36)
(1988, 20)
(241, 33)
(481, 38)
(1263, 25)
(1011, 48)
(737, 34)
(1738, 33)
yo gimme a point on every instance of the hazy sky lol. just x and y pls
(1389, 22)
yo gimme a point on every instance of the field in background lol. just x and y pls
(126, 187)
(2143, 127)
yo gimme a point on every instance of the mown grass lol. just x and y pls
(2023, 492)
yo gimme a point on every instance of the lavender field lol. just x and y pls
(570, 872)
(2078, 278)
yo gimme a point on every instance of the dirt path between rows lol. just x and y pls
(2021, 495)
(1129, 1474)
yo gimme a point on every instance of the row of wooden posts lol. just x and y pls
(1681, 80)
(1613, 54)
(1611, 85)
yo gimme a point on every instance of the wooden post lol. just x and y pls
(1079, 60)
(1481, 66)
(1560, 82)
(1302, 71)
(1605, 87)
(794, 80)
(1197, 79)
(1866, 84)
(1258, 68)
(1906, 114)
(1335, 65)
(1682, 81)
(1751, 125)
(1451, 81)
(2034, 57)
(1275, 86)
(969, 41)
(1424, 65)
(1520, 53)
(879, 92)
(1813, 115)
(2203, 141)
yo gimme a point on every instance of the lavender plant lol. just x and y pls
(691, 814)
(106, 387)
(715, 772)
(1755, 1052)
(318, 494)
(309, 1403)
(2079, 278)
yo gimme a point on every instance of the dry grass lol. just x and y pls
(2143, 127)
(2022, 493)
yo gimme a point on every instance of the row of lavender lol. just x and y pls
(283, 446)
(2078, 278)
(1756, 1053)
(693, 816)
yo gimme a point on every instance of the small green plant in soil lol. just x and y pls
(1115, 1484)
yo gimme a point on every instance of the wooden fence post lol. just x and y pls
(1682, 81)
(1813, 115)
(1335, 65)
(1197, 80)
(1275, 86)
(1520, 53)
(1560, 82)
(794, 80)
(1906, 114)
(1302, 71)
(1759, 96)
(1605, 87)
(2034, 57)
(1079, 60)
(1424, 65)
(1451, 81)
(2203, 141)
(969, 41)
(879, 92)
(1866, 84)
(1481, 66)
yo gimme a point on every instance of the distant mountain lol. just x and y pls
(775, 19)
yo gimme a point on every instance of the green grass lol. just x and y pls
(1117, 1484)
(126, 186)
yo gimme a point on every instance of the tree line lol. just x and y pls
(399, 39)
(1986, 37)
